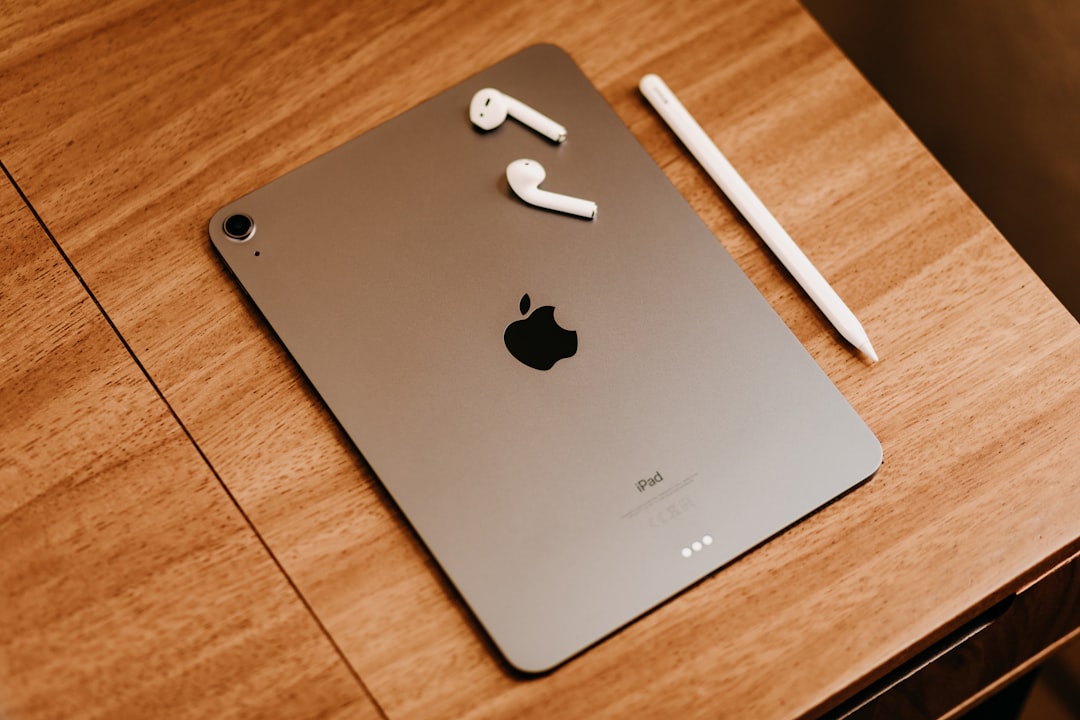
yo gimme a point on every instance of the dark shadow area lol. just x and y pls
(992, 88)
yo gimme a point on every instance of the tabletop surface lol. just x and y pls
(184, 528)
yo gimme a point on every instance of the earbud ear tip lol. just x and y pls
(483, 123)
(487, 111)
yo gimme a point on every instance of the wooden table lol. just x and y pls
(185, 531)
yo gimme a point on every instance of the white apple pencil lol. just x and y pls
(742, 197)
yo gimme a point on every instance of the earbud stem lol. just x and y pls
(561, 203)
(535, 119)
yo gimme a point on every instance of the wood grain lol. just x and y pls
(1038, 617)
(130, 586)
(129, 125)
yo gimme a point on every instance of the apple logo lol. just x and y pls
(539, 341)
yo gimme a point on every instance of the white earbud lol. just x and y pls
(489, 109)
(525, 177)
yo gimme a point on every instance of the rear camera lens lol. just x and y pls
(239, 227)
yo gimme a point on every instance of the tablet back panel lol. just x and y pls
(689, 426)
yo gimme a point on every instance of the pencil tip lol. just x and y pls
(868, 350)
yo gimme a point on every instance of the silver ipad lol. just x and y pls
(580, 418)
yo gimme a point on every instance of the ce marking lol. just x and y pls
(671, 511)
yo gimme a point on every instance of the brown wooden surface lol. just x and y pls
(1038, 617)
(128, 125)
(130, 585)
